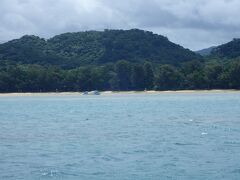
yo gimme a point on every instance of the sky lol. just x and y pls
(194, 24)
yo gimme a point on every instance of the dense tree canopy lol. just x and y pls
(113, 60)
(71, 50)
(120, 76)
(228, 50)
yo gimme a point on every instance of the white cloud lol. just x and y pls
(193, 24)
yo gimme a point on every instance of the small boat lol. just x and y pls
(85, 93)
(94, 92)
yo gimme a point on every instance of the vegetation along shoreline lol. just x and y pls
(114, 60)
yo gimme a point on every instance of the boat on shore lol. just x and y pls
(85, 93)
(91, 93)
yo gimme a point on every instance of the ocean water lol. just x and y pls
(181, 136)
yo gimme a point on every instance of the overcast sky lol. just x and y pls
(194, 24)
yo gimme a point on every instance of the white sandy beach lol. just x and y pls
(112, 93)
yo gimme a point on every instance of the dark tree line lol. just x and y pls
(122, 76)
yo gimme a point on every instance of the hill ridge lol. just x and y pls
(96, 47)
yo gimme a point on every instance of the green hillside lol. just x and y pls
(96, 47)
(206, 51)
(228, 50)
(115, 60)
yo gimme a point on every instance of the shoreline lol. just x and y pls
(109, 93)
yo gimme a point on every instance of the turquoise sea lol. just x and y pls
(182, 136)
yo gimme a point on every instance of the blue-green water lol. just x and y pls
(127, 137)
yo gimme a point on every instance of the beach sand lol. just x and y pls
(112, 93)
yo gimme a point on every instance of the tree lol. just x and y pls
(191, 66)
(114, 82)
(149, 75)
(234, 75)
(138, 77)
(213, 73)
(84, 79)
(123, 71)
(168, 78)
(196, 80)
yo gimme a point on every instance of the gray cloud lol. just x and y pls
(194, 24)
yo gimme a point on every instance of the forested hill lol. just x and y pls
(206, 51)
(228, 50)
(116, 60)
(71, 50)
